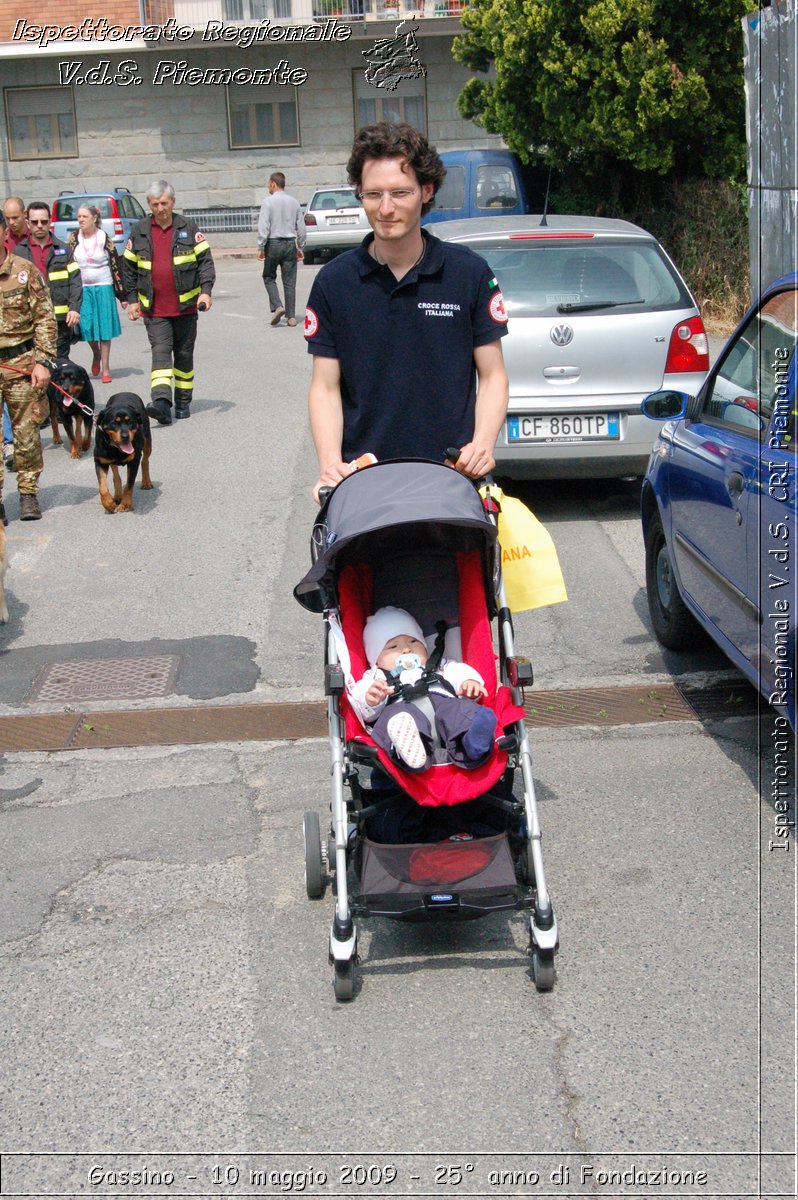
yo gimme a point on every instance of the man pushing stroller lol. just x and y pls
(414, 702)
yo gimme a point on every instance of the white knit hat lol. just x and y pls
(385, 624)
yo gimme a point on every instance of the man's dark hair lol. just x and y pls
(39, 204)
(278, 178)
(389, 140)
(3, 220)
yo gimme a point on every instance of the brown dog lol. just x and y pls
(122, 438)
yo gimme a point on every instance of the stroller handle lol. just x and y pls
(451, 455)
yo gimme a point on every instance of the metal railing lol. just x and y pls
(385, 10)
(225, 220)
(199, 13)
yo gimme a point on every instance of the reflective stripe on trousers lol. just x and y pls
(172, 342)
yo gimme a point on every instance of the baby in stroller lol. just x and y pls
(415, 702)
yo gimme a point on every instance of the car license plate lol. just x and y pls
(569, 427)
(342, 220)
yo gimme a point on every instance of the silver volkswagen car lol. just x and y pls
(599, 317)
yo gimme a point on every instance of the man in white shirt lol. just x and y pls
(281, 238)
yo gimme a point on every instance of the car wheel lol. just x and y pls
(674, 624)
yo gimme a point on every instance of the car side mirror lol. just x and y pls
(666, 406)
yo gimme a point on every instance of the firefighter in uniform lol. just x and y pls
(169, 276)
(27, 347)
(61, 273)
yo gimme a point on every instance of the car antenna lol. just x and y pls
(543, 220)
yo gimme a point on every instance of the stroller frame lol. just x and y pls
(348, 817)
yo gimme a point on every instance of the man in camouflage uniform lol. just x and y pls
(27, 346)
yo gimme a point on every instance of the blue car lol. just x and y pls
(719, 502)
(478, 183)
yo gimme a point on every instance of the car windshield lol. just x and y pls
(544, 276)
(67, 210)
(337, 198)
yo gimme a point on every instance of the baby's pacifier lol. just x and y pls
(406, 662)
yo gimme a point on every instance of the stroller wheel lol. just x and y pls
(314, 868)
(527, 866)
(543, 969)
(344, 980)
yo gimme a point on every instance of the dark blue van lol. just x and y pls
(479, 183)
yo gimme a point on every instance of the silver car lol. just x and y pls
(599, 317)
(334, 220)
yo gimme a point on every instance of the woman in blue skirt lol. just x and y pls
(96, 256)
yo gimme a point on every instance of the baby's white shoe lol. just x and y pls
(406, 740)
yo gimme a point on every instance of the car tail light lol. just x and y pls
(689, 348)
(310, 219)
(118, 229)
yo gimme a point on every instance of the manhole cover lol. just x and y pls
(106, 679)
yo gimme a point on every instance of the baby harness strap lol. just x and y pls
(417, 693)
(434, 660)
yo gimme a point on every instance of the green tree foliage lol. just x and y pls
(651, 86)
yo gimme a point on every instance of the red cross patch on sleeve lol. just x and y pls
(497, 310)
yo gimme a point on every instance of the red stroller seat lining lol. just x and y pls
(443, 784)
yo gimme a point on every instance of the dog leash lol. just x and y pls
(84, 408)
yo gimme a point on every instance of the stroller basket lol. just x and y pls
(454, 879)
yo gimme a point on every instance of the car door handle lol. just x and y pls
(735, 483)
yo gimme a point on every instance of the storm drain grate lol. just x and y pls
(106, 679)
(607, 706)
(719, 700)
(599, 707)
(194, 726)
(51, 732)
(163, 727)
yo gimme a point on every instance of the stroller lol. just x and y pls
(444, 843)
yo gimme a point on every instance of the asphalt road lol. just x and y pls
(167, 996)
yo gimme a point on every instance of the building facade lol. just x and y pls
(215, 94)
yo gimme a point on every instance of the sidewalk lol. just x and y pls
(250, 251)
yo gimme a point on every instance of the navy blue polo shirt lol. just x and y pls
(408, 381)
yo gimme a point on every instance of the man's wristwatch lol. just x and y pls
(46, 362)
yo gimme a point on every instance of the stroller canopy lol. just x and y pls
(391, 508)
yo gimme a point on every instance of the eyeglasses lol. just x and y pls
(396, 196)
(38, 220)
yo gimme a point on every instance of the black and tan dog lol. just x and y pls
(122, 438)
(77, 405)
